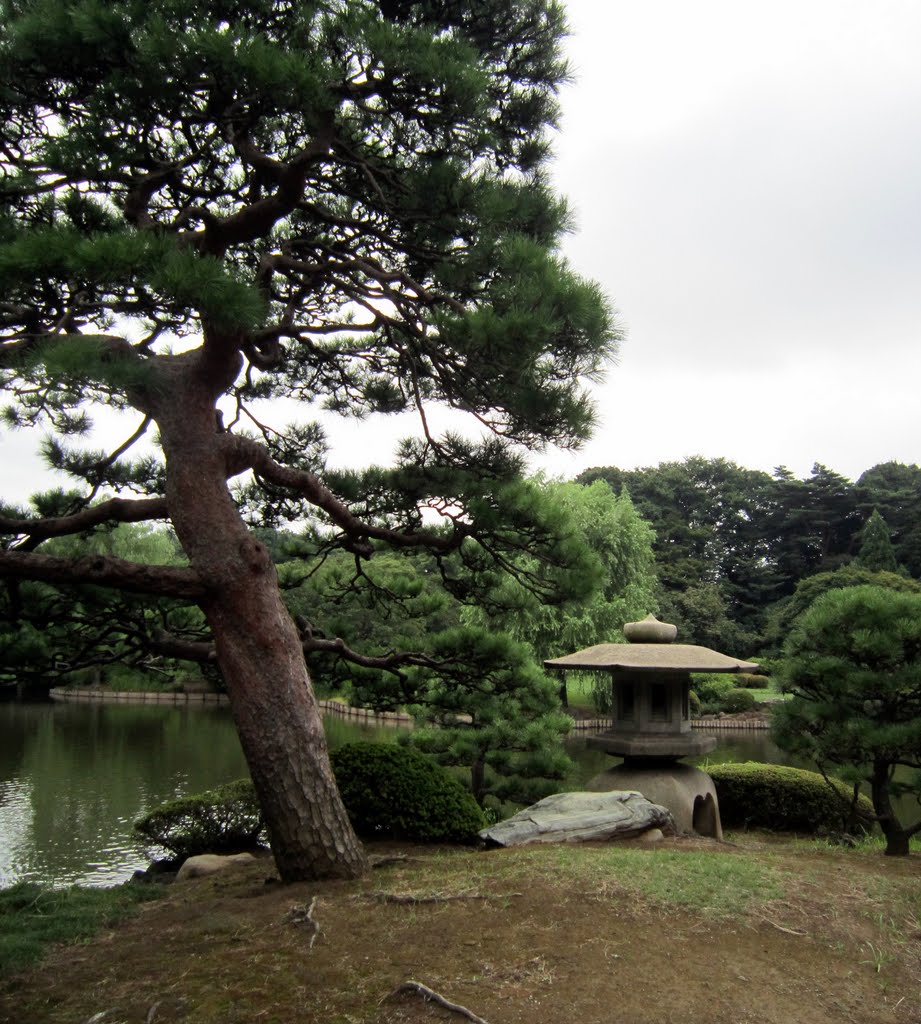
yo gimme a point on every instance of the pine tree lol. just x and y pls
(876, 551)
(208, 205)
(853, 665)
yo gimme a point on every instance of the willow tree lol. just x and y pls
(207, 205)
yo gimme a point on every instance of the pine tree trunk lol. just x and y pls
(897, 839)
(281, 729)
(258, 651)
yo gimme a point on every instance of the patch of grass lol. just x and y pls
(873, 843)
(33, 917)
(713, 883)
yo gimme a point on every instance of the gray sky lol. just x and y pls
(747, 183)
(746, 180)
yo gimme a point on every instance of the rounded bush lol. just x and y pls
(749, 681)
(712, 687)
(391, 792)
(223, 820)
(782, 799)
(737, 701)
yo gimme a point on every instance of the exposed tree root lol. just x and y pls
(779, 927)
(304, 915)
(430, 995)
(435, 897)
(385, 860)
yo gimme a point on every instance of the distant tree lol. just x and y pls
(894, 490)
(815, 524)
(204, 206)
(876, 552)
(701, 614)
(710, 519)
(784, 613)
(853, 666)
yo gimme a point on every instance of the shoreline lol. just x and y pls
(365, 715)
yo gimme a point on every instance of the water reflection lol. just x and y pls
(75, 777)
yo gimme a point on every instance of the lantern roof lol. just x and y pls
(658, 654)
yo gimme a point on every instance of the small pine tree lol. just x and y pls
(876, 550)
(853, 665)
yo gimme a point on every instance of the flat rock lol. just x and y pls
(205, 864)
(577, 817)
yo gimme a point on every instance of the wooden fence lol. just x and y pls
(364, 716)
(135, 697)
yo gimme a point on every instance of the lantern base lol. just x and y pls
(686, 791)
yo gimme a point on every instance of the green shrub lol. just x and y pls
(782, 799)
(394, 792)
(737, 701)
(711, 687)
(695, 705)
(222, 820)
(749, 681)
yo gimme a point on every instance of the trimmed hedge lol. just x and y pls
(389, 792)
(223, 820)
(392, 792)
(749, 681)
(782, 799)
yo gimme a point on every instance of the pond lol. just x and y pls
(74, 777)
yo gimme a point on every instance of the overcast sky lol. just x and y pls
(747, 184)
(746, 179)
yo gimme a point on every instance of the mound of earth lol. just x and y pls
(689, 931)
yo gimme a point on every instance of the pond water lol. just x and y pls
(74, 777)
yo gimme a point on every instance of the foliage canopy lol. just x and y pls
(210, 204)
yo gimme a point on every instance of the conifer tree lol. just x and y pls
(876, 550)
(209, 204)
(853, 666)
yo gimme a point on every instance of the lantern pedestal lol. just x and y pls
(685, 790)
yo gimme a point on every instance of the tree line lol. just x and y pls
(732, 545)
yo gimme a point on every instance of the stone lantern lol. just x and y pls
(651, 728)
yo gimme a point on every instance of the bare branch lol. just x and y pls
(388, 662)
(430, 995)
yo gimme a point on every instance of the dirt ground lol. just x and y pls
(531, 935)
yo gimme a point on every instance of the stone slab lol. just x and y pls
(578, 817)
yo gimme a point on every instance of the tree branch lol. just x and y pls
(116, 510)
(244, 453)
(103, 570)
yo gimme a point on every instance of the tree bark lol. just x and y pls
(897, 838)
(257, 646)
